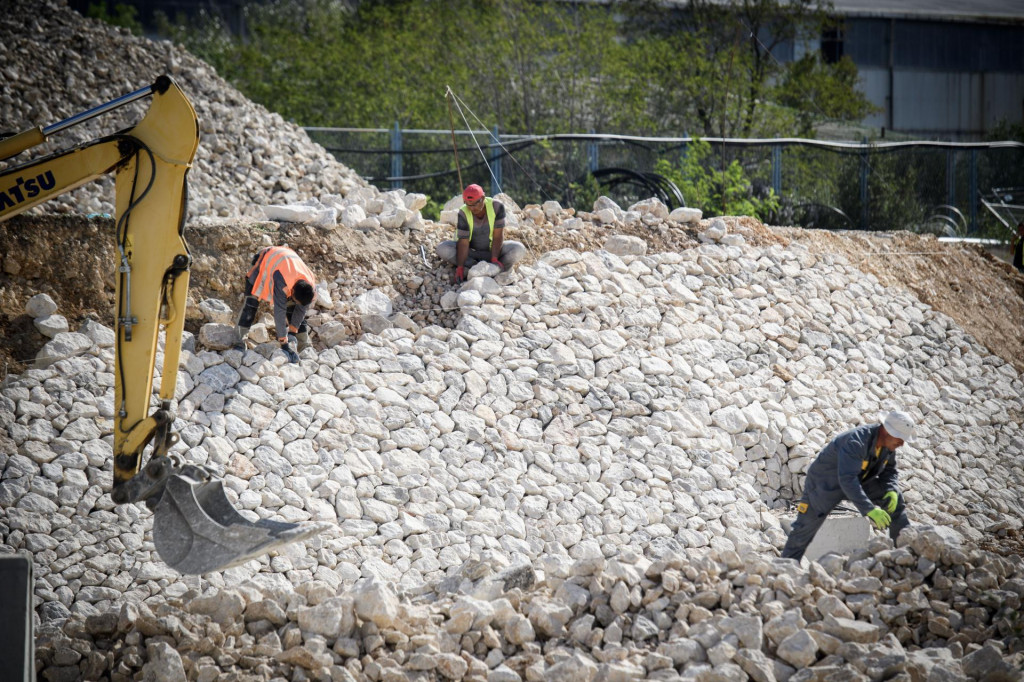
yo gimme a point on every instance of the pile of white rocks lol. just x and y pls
(595, 408)
(368, 209)
(57, 63)
(927, 610)
(43, 311)
(421, 288)
(365, 208)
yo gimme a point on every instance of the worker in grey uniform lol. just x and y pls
(859, 465)
(480, 235)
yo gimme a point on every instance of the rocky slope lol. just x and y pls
(569, 472)
(57, 63)
(593, 422)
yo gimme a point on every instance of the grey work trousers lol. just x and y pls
(511, 253)
(809, 521)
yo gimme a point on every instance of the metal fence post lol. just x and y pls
(777, 169)
(951, 177)
(864, 185)
(396, 156)
(495, 163)
(974, 190)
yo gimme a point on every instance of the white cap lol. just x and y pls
(899, 425)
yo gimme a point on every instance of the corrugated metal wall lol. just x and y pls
(959, 105)
(939, 79)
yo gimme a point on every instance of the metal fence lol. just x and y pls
(920, 185)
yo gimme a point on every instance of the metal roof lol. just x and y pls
(998, 10)
(986, 11)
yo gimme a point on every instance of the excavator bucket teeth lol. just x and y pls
(197, 530)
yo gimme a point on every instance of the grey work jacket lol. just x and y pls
(846, 465)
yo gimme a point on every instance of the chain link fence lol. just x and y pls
(938, 187)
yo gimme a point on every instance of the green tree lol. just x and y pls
(817, 91)
(120, 15)
(892, 181)
(521, 65)
(528, 67)
(716, 191)
(712, 69)
(531, 67)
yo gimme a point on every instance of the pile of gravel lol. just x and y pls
(597, 406)
(56, 63)
(569, 472)
(928, 610)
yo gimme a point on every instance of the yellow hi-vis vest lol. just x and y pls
(489, 204)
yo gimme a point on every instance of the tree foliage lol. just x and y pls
(716, 191)
(529, 66)
(535, 66)
(120, 14)
(717, 69)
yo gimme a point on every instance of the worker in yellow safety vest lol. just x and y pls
(480, 235)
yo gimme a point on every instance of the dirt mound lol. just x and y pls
(72, 258)
(981, 293)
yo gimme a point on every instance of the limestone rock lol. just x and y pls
(685, 215)
(217, 311)
(40, 305)
(218, 336)
(64, 345)
(374, 302)
(51, 325)
(625, 245)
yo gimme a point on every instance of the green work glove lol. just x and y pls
(880, 518)
(892, 498)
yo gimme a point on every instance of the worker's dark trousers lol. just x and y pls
(808, 522)
(252, 305)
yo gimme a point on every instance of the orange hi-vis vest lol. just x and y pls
(279, 259)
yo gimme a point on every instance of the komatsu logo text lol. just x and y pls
(24, 189)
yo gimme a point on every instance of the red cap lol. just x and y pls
(472, 193)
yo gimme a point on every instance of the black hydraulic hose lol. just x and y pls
(121, 233)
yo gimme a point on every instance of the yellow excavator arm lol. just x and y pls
(195, 527)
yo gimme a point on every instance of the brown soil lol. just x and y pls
(1006, 542)
(72, 259)
(983, 294)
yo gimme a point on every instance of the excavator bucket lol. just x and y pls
(196, 529)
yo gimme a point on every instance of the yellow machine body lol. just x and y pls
(195, 528)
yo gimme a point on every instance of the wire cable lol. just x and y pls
(458, 102)
(458, 105)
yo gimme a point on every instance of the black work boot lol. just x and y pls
(240, 334)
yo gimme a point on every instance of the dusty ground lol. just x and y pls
(72, 259)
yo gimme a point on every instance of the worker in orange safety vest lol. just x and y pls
(279, 277)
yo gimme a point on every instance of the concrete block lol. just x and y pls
(840, 534)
